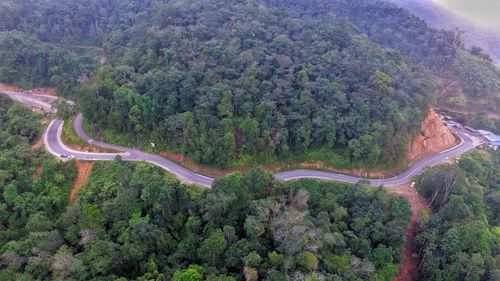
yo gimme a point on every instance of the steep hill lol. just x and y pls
(225, 82)
(441, 51)
(435, 15)
(243, 82)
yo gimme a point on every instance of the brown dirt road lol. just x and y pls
(407, 270)
(83, 172)
(36, 91)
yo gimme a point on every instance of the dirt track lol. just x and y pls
(407, 270)
(83, 172)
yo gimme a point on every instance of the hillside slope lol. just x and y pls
(230, 83)
(441, 51)
(439, 17)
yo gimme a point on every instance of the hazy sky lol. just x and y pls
(486, 12)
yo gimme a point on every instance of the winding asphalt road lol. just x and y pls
(38, 102)
(55, 146)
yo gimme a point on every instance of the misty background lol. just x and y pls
(484, 12)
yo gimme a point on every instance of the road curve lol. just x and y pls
(55, 146)
(466, 144)
(37, 102)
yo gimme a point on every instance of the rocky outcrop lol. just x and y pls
(434, 137)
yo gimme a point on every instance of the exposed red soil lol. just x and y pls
(36, 91)
(319, 165)
(83, 172)
(433, 137)
(187, 162)
(204, 170)
(7, 87)
(37, 144)
(407, 270)
(44, 91)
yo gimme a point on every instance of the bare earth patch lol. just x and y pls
(10, 88)
(200, 169)
(187, 162)
(83, 172)
(319, 165)
(407, 270)
(45, 91)
(36, 91)
(38, 143)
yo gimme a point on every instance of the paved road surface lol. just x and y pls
(54, 144)
(466, 144)
(33, 101)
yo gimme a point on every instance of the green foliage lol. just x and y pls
(307, 261)
(192, 273)
(30, 201)
(253, 260)
(68, 134)
(457, 101)
(250, 83)
(460, 240)
(212, 249)
(441, 51)
(483, 121)
(251, 87)
(132, 222)
(18, 121)
(28, 61)
(337, 264)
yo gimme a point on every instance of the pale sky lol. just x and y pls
(486, 12)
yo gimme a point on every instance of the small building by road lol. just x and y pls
(492, 139)
(454, 124)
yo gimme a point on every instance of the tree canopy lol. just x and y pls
(460, 241)
(135, 222)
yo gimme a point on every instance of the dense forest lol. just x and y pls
(461, 240)
(29, 62)
(238, 81)
(439, 16)
(441, 51)
(231, 82)
(134, 222)
(243, 82)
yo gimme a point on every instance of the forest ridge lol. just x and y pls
(234, 83)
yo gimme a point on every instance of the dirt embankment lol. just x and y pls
(187, 162)
(433, 137)
(83, 172)
(10, 88)
(407, 270)
(36, 91)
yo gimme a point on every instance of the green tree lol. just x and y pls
(212, 248)
(192, 273)
(307, 261)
